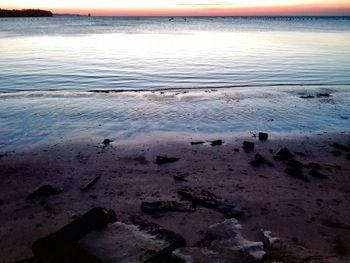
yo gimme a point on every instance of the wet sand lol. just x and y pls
(312, 216)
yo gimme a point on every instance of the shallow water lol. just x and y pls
(218, 75)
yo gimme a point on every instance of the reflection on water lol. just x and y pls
(52, 72)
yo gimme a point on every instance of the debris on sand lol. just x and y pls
(216, 143)
(44, 190)
(167, 206)
(90, 184)
(283, 154)
(165, 159)
(210, 200)
(248, 145)
(263, 136)
(260, 160)
(297, 173)
(61, 246)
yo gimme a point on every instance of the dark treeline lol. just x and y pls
(24, 13)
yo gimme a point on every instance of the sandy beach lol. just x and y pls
(310, 214)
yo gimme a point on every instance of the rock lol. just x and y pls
(317, 174)
(295, 163)
(2, 155)
(348, 156)
(336, 153)
(181, 177)
(210, 200)
(263, 136)
(314, 166)
(1, 202)
(44, 190)
(216, 143)
(165, 159)
(269, 240)
(60, 247)
(196, 143)
(227, 236)
(90, 184)
(106, 142)
(340, 146)
(297, 173)
(259, 160)
(248, 145)
(283, 154)
(139, 242)
(167, 206)
(206, 255)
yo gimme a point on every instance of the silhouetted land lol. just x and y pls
(25, 13)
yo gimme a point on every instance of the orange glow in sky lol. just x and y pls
(186, 7)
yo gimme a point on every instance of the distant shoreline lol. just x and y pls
(25, 13)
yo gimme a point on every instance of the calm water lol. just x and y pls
(217, 74)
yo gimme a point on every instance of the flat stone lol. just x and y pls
(43, 190)
(216, 143)
(167, 206)
(130, 243)
(297, 173)
(283, 154)
(260, 160)
(165, 159)
(210, 200)
(60, 246)
(248, 145)
(317, 174)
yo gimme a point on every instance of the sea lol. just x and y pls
(123, 77)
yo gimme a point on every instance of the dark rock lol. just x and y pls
(216, 143)
(90, 184)
(181, 177)
(60, 247)
(248, 145)
(283, 154)
(141, 241)
(317, 174)
(166, 206)
(259, 160)
(335, 224)
(1, 202)
(2, 155)
(263, 136)
(210, 200)
(307, 97)
(107, 142)
(336, 153)
(314, 166)
(340, 146)
(166, 159)
(196, 143)
(297, 173)
(295, 163)
(44, 190)
(348, 156)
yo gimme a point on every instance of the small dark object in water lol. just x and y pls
(307, 97)
(90, 184)
(196, 143)
(248, 145)
(60, 246)
(106, 142)
(166, 159)
(216, 143)
(297, 173)
(320, 95)
(295, 163)
(283, 154)
(44, 190)
(167, 206)
(263, 136)
(340, 146)
(259, 159)
(317, 174)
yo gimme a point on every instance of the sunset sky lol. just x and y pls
(187, 7)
